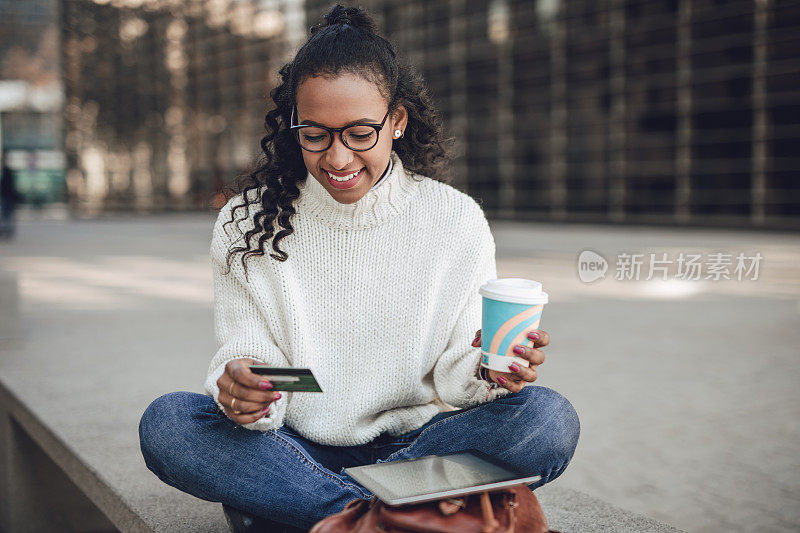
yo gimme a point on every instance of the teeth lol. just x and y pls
(343, 178)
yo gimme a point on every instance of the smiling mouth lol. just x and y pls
(344, 182)
(346, 177)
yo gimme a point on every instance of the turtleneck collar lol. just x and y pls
(387, 198)
(385, 173)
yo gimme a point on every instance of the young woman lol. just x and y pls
(375, 289)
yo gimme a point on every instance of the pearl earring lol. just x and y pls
(398, 133)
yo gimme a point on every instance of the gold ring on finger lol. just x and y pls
(233, 406)
(230, 389)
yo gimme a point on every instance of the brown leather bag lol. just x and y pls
(510, 510)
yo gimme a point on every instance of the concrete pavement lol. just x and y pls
(685, 389)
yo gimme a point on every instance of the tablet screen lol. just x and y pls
(399, 481)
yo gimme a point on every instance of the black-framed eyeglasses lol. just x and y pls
(357, 137)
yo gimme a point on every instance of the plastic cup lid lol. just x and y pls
(514, 290)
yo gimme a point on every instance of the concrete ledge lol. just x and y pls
(146, 504)
(73, 385)
(572, 511)
(23, 434)
(41, 468)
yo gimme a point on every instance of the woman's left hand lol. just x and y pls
(518, 376)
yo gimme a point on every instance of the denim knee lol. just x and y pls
(159, 420)
(564, 427)
(547, 418)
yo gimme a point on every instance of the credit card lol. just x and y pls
(288, 379)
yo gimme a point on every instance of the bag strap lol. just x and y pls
(450, 506)
(490, 523)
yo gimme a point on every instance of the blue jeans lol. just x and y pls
(191, 445)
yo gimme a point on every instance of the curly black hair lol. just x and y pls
(346, 42)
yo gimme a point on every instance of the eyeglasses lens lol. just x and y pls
(355, 137)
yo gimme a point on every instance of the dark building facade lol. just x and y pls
(664, 112)
(676, 112)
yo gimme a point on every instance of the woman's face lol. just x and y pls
(337, 102)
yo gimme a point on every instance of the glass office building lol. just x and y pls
(663, 112)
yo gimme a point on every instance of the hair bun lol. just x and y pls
(354, 16)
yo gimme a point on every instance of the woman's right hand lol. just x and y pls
(245, 396)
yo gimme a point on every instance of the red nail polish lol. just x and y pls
(501, 379)
(277, 395)
(264, 385)
(519, 350)
(514, 367)
(533, 335)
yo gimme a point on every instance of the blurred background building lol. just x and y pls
(165, 100)
(653, 111)
(635, 111)
(31, 99)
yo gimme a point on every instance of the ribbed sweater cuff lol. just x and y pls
(273, 420)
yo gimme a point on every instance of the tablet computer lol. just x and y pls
(437, 476)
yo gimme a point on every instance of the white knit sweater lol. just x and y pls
(379, 298)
